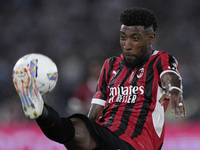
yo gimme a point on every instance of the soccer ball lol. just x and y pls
(42, 68)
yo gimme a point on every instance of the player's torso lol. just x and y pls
(131, 96)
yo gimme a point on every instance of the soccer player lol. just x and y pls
(133, 91)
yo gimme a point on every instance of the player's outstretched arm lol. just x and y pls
(172, 84)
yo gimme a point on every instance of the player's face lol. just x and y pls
(136, 43)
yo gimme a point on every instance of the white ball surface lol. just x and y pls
(42, 68)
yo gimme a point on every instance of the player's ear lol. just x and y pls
(151, 38)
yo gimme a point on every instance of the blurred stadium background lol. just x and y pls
(78, 33)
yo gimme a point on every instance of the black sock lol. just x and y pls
(55, 128)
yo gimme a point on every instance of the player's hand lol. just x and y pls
(176, 101)
(177, 104)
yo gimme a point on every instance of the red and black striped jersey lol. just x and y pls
(131, 99)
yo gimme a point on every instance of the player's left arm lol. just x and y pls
(172, 83)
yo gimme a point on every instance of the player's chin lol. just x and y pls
(129, 62)
(130, 59)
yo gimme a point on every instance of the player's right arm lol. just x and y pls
(100, 96)
(95, 111)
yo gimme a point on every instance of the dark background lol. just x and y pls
(74, 33)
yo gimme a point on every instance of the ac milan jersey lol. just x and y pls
(131, 99)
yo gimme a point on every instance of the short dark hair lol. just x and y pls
(138, 16)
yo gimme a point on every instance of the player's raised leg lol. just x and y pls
(73, 133)
(32, 102)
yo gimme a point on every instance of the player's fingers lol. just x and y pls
(177, 105)
(181, 106)
(172, 104)
(177, 112)
(182, 110)
(164, 98)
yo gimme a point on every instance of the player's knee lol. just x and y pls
(81, 130)
(82, 135)
(62, 131)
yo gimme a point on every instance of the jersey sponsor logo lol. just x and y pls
(125, 94)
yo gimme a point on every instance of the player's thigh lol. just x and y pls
(82, 139)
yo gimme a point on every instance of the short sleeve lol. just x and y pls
(100, 95)
(167, 63)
